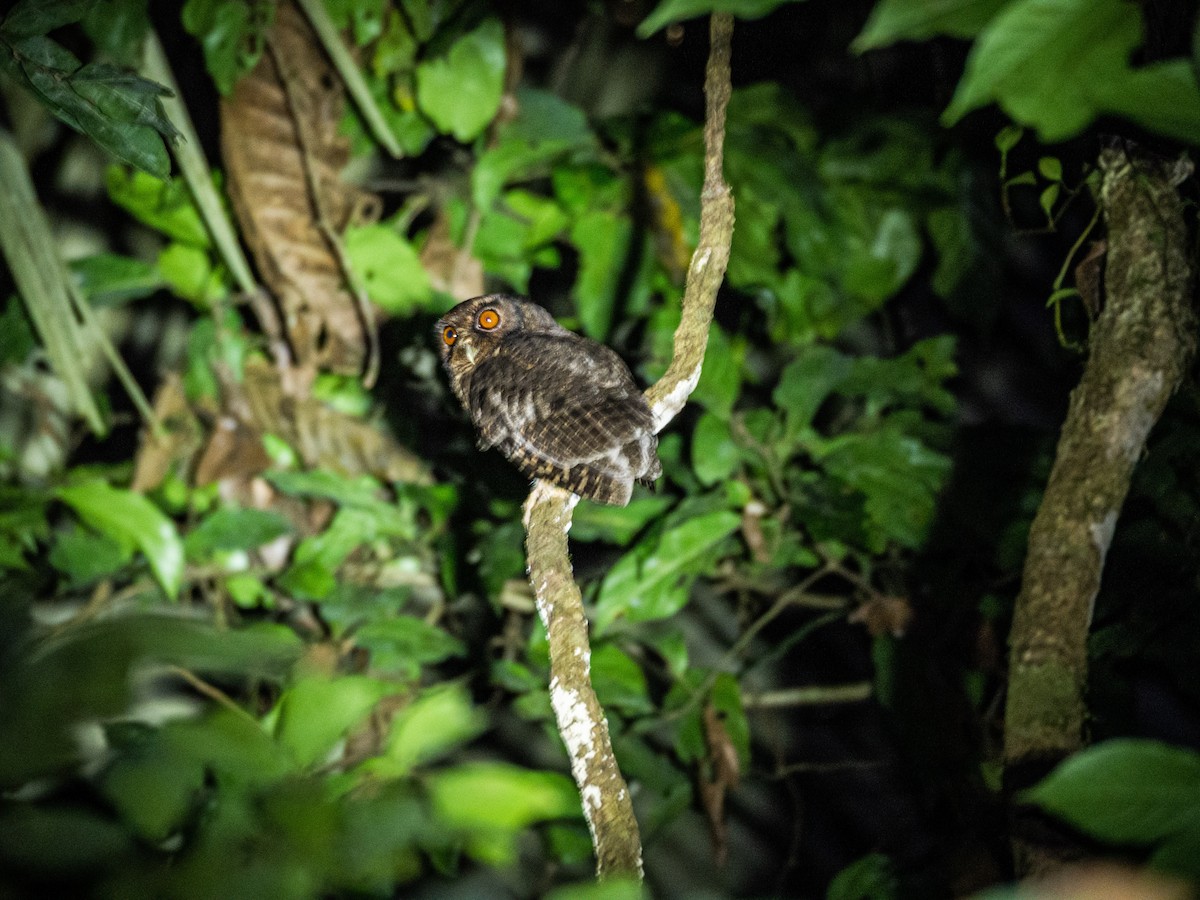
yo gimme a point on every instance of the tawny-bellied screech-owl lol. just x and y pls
(560, 406)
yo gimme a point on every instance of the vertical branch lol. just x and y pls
(1140, 347)
(607, 805)
(707, 270)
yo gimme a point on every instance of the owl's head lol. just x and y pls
(476, 328)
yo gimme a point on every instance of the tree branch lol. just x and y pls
(1141, 345)
(607, 804)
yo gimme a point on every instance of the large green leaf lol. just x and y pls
(919, 20)
(652, 580)
(602, 238)
(460, 91)
(234, 529)
(30, 17)
(897, 474)
(806, 383)
(315, 713)
(714, 453)
(232, 33)
(1057, 64)
(401, 645)
(163, 204)
(492, 802)
(1125, 791)
(132, 521)
(118, 110)
(390, 269)
(435, 722)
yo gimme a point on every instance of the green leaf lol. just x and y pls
(898, 475)
(152, 789)
(108, 279)
(720, 381)
(132, 521)
(85, 558)
(315, 713)
(608, 889)
(886, 258)
(232, 745)
(1050, 168)
(669, 11)
(233, 35)
(16, 333)
(543, 218)
(619, 681)
(919, 20)
(230, 528)
(118, 28)
(652, 580)
(433, 723)
(119, 111)
(872, 877)
(492, 802)
(805, 384)
(950, 230)
(602, 238)
(190, 274)
(401, 645)
(754, 254)
(1057, 64)
(714, 454)
(916, 377)
(390, 269)
(164, 205)
(1125, 791)
(616, 524)
(35, 17)
(460, 91)
(1008, 137)
(1162, 97)
(1048, 198)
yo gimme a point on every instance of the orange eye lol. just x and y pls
(449, 335)
(489, 319)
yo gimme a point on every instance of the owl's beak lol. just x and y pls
(469, 349)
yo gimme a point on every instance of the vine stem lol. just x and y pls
(607, 804)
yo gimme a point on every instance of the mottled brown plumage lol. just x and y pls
(559, 406)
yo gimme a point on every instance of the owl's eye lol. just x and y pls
(489, 319)
(449, 335)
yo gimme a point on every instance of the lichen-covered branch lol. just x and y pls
(707, 270)
(607, 806)
(606, 801)
(1140, 347)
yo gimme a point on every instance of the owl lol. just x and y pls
(559, 406)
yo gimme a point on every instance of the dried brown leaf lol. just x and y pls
(325, 437)
(884, 614)
(283, 158)
(717, 778)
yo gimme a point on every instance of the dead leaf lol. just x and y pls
(452, 269)
(324, 437)
(159, 454)
(283, 158)
(884, 614)
(717, 777)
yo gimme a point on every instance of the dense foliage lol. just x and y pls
(275, 648)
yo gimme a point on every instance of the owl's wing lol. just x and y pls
(567, 411)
